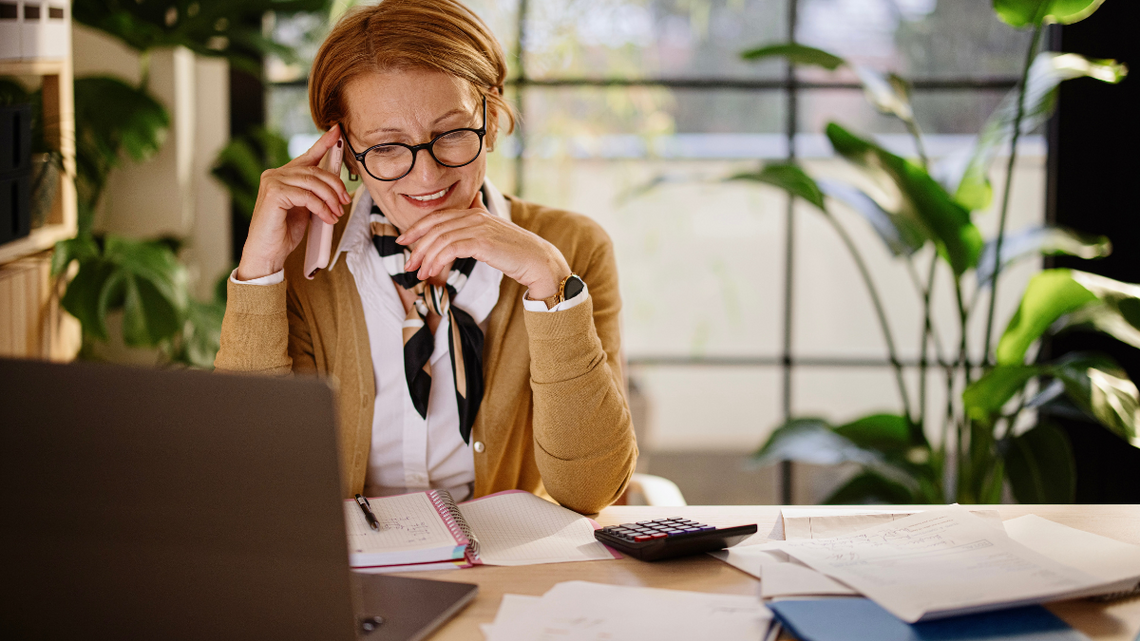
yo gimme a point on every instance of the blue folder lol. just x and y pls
(848, 619)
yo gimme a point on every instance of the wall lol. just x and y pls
(172, 194)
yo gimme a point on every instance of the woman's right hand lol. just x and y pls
(286, 197)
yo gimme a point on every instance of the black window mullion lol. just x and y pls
(791, 124)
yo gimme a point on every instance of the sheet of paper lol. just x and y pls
(512, 606)
(826, 522)
(581, 611)
(938, 563)
(779, 575)
(1108, 559)
(407, 522)
(750, 559)
(780, 580)
(518, 528)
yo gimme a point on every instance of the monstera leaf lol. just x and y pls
(142, 278)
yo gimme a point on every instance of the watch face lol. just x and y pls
(574, 286)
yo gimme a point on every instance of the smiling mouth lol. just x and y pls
(430, 197)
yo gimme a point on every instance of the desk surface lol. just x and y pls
(1117, 621)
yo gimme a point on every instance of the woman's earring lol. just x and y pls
(353, 177)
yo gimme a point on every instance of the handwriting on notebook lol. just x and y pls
(405, 521)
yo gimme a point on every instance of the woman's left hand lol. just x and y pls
(443, 236)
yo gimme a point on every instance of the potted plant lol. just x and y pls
(982, 444)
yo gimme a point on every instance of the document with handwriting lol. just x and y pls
(940, 563)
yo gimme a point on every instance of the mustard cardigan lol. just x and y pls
(554, 420)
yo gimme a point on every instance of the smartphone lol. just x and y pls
(319, 248)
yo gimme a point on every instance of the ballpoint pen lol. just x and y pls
(366, 507)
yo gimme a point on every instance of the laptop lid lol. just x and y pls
(175, 504)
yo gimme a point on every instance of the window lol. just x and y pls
(740, 310)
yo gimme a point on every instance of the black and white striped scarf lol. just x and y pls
(465, 339)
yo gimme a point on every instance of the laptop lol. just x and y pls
(138, 503)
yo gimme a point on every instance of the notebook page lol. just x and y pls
(407, 522)
(518, 528)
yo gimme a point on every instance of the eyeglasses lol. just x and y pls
(390, 161)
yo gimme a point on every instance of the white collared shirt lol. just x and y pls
(411, 453)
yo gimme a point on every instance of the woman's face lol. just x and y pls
(412, 107)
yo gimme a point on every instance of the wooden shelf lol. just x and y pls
(36, 67)
(59, 129)
(39, 240)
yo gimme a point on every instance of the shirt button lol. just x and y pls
(479, 447)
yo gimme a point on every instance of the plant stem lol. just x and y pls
(879, 311)
(922, 290)
(912, 127)
(927, 330)
(963, 364)
(1008, 190)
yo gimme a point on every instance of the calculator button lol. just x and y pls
(642, 537)
(659, 535)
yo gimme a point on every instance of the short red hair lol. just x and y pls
(440, 35)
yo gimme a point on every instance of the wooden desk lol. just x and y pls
(1117, 621)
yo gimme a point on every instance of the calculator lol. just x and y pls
(669, 538)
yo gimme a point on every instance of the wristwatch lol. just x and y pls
(570, 287)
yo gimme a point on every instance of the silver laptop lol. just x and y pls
(144, 504)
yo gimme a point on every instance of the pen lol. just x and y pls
(367, 508)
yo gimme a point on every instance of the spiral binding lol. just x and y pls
(443, 501)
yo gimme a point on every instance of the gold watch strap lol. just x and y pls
(551, 301)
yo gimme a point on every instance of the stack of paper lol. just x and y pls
(939, 563)
(824, 521)
(582, 611)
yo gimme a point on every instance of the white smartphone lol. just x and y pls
(319, 248)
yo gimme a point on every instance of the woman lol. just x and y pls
(501, 371)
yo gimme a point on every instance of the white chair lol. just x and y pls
(658, 491)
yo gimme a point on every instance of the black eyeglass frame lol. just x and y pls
(415, 149)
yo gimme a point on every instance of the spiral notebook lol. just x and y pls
(428, 530)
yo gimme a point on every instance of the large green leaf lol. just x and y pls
(143, 278)
(790, 178)
(918, 196)
(870, 487)
(795, 53)
(84, 295)
(985, 397)
(1100, 387)
(82, 248)
(966, 174)
(811, 440)
(231, 29)
(1050, 295)
(886, 433)
(1021, 13)
(1040, 466)
(1040, 241)
(902, 235)
(1117, 313)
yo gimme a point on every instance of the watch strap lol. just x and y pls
(576, 285)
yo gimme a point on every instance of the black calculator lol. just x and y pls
(669, 538)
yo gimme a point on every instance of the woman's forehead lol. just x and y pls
(409, 100)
